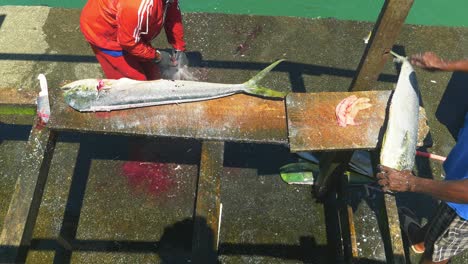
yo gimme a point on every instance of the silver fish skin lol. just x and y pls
(91, 95)
(400, 138)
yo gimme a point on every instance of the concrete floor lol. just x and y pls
(130, 200)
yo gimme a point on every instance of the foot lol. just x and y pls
(415, 240)
(414, 232)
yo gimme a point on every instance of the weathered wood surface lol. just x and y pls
(234, 118)
(348, 230)
(389, 225)
(208, 204)
(19, 221)
(17, 106)
(395, 251)
(18, 97)
(313, 126)
(17, 119)
(384, 35)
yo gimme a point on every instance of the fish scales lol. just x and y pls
(107, 95)
(400, 138)
(167, 92)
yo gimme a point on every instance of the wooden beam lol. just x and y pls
(24, 206)
(395, 253)
(313, 126)
(9, 96)
(208, 205)
(385, 33)
(17, 107)
(348, 230)
(239, 118)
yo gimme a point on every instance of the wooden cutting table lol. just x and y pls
(304, 122)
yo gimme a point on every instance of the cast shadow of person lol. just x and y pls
(176, 243)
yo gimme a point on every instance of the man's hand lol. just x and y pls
(428, 60)
(179, 59)
(397, 181)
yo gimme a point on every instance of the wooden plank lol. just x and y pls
(16, 119)
(395, 252)
(9, 96)
(234, 118)
(352, 232)
(207, 210)
(348, 231)
(389, 225)
(313, 127)
(24, 206)
(384, 35)
(17, 106)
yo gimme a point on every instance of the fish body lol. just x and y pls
(400, 138)
(92, 95)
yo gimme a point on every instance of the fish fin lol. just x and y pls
(408, 162)
(252, 87)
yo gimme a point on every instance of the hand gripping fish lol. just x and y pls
(399, 142)
(90, 95)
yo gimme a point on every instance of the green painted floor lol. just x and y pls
(428, 12)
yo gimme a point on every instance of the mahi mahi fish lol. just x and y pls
(91, 95)
(399, 142)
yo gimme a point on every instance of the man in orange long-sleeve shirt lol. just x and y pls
(120, 33)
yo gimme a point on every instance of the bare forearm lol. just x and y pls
(449, 191)
(461, 65)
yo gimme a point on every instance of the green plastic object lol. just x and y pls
(303, 173)
(299, 173)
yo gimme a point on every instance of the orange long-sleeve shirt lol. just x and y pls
(130, 25)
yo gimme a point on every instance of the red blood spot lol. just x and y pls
(150, 177)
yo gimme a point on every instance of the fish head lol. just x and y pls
(82, 94)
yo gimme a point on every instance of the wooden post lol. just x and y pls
(348, 231)
(207, 208)
(24, 206)
(385, 33)
(395, 252)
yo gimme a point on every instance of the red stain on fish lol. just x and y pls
(347, 110)
(101, 85)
